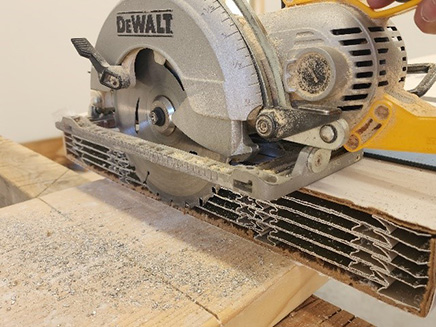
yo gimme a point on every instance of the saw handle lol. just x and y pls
(385, 13)
(400, 120)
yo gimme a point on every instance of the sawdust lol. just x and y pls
(87, 267)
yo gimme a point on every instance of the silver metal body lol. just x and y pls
(199, 79)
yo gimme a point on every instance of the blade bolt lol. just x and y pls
(328, 134)
(265, 126)
(157, 117)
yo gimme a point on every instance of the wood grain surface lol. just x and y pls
(25, 174)
(100, 254)
(315, 312)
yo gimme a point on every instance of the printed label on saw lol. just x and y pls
(155, 23)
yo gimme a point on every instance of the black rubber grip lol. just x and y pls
(84, 47)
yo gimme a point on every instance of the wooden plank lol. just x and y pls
(316, 313)
(25, 174)
(110, 256)
(50, 148)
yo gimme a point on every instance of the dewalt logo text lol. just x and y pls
(155, 23)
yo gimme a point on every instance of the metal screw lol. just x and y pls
(96, 104)
(153, 118)
(382, 112)
(353, 142)
(265, 126)
(328, 134)
(114, 82)
(318, 160)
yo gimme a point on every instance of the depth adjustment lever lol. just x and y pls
(279, 123)
(113, 77)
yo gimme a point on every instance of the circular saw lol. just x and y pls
(197, 97)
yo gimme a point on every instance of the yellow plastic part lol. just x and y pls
(384, 13)
(399, 121)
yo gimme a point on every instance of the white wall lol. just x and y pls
(41, 71)
(42, 74)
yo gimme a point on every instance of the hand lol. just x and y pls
(425, 14)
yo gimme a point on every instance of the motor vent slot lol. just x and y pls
(346, 31)
(362, 86)
(355, 97)
(367, 63)
(376, 29)
(353, 42)
(381, 39)
(383, 36)
(356, 44)
(351, 108)
(365, 75)
(359, 53)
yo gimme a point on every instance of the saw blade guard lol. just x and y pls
(201, 43)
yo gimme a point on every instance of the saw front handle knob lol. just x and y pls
(385, 13)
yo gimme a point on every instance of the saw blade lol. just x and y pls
(157, 87)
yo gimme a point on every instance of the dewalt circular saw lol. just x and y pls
(189, 97)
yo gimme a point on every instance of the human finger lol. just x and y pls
(376, 4)
(425, 16)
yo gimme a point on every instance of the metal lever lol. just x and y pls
(113, 77)
(277, 123)
(427, 82)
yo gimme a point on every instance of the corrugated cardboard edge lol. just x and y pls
(429, 295)
(371, 211)
(332, 271)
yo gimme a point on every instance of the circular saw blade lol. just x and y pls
(133, 116)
